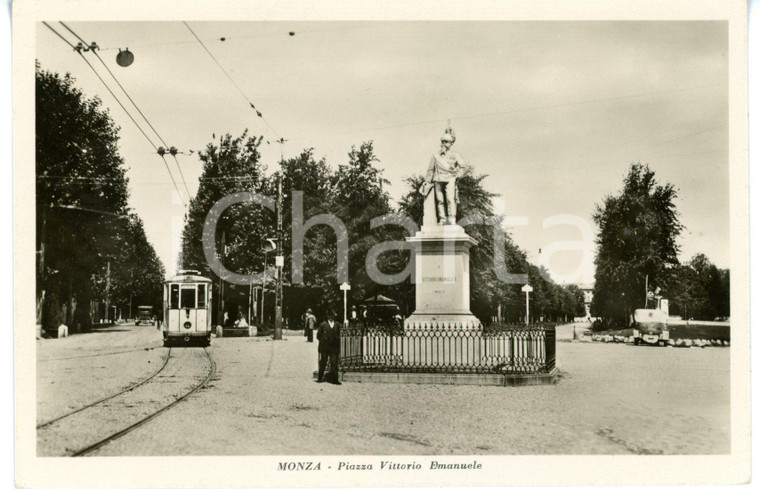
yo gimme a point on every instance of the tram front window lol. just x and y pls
(201, 296)
(188, 298)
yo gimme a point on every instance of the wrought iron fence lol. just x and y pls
(503, 349)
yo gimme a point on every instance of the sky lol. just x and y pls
(553, 112)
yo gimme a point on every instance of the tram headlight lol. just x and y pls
(187, 325)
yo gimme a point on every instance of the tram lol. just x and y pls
(187, 309)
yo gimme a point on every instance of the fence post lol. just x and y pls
(550, 342)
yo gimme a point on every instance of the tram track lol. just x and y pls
(108, 398)
(93, 355)
(136, 401)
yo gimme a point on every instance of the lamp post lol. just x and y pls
(279, 263)
(345, 287)
(527, 289)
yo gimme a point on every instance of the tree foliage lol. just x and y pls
(354, 192)
(701, 290)
(577, 300)
(82, 219)
(636, 244)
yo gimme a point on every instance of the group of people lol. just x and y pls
(238, 322)
(328, 335)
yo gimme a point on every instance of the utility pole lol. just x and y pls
(41, 283)
(279, 262)
(220, 315)
(250, 303)
(646, 291)
(255, 305)
(108, 291)
(131, 291)
(263, 289)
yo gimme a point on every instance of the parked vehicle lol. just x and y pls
(650, 327)
(144, 315)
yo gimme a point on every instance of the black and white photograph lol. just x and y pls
(388, 249)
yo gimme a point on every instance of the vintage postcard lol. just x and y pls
(379, 244)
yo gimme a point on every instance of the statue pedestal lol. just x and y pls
(442, 278)
(442, 332)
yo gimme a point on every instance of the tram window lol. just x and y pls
(174, 303)
(188, 298)
(201, 296)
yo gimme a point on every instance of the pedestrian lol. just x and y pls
(309, 322)
(241, 323)
(328, 336)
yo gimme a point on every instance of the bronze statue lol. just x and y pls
(444, 169)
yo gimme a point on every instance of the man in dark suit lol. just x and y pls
(328, 336)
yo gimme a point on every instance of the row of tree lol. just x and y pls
(92, 251)
(355, 192)
(638, 253)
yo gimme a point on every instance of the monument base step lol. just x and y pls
(541, 378)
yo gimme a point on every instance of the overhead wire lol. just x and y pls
(240, 90)
(691, 134)
(512, 111)
(231, 38)
(93, 51)
(121, 105)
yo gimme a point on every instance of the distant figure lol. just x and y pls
(397, 317)
(309, 322)
(241, 323)
(329, 348)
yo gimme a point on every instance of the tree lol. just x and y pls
(314, 180)
(233, 165)
(576, 302)
(701, 290)
(83, 223)
(636, 244)
(137, 273)
(359, 197)
(354, 193)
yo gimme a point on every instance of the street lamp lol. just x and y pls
(345, 287)
(125, 58)
(527, 289)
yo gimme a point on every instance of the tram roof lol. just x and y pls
(187, 276)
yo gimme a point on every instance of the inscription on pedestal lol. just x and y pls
(442, 277)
